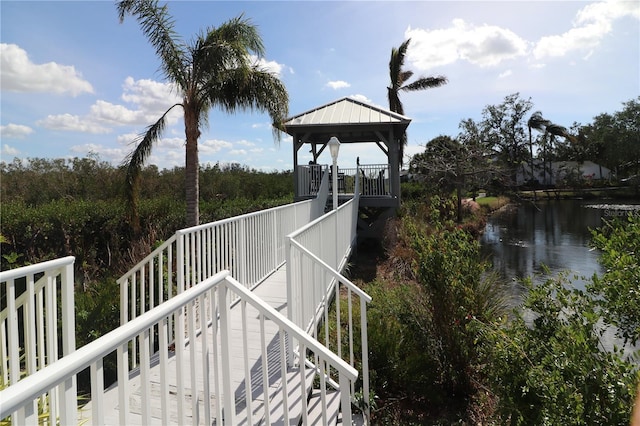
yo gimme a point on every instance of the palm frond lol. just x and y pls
(425, 83)
(396, 63)
(404, 77)
(252, 88)
(137, 158)
(241, 32)
(536, 121)
(158, 26)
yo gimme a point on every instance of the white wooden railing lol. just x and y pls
(29, 337)
(251, 246)
(191, 309)
(310, 178)
(316, 254)
(373, 180)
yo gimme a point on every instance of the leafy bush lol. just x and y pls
(422, 350)
(548, 366)
(619, 286)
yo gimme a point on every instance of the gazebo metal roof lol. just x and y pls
(349, 119)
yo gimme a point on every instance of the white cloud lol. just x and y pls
(115, 114)
(152, 99)
(173, 143)
(113, 155)
(8, 150)
(591, 24)
(242, 152)
(15, 131)
(211, 146)
(485, 45)
(19, 74)
(271, 66)
(338, 84)
(505, 74)
(361, 98)
(71, 123)
(245, 143)
(127, 138)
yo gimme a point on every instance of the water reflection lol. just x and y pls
(553, 233)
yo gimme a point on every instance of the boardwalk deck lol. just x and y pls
(273, 291)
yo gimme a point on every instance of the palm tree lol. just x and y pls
(555, 130)
(537, 122)
(214, 70)
(399, 78)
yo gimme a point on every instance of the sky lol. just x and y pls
(77, 82)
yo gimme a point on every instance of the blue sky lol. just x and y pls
(75, 81)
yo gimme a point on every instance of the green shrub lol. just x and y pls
(548, 366)
(423, 351)
(619, 287)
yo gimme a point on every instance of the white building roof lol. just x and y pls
(346, 111)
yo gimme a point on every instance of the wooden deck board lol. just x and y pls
(273, 291)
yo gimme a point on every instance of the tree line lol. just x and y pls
(509, 139)
(58, 207)
(36, 181)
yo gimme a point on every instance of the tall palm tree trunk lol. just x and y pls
(192, 165)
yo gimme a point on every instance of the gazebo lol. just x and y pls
(352, 122)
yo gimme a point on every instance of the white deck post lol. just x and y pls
(70, 402)
(225, 343)
(290, 302)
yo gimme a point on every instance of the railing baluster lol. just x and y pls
(283, 371)
(52, 339)
(323, 389)
(145, 387)
(97, 388)
(191, 325)
(14, 346)
(247, 372)
(41, 328)
(216, 364)
(345, 399)
(152, 292)
(30, 327)
(225, 340)
(265, 372)
(365, 358)
(350, 317)
(123, 383)
(164, 364)
(179, 348)
(303, 384)
(204, 345)
(134, 315)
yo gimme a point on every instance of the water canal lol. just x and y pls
(522, 240)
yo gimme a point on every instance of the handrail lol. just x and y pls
(29, 329)
(314, 260)
(20, 394)
(30, 387)
(296, 331)
(148, 258)
(36, 268)
(251, 246)
(337, 275)
(236, 218)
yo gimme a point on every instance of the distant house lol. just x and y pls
(560, 171)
